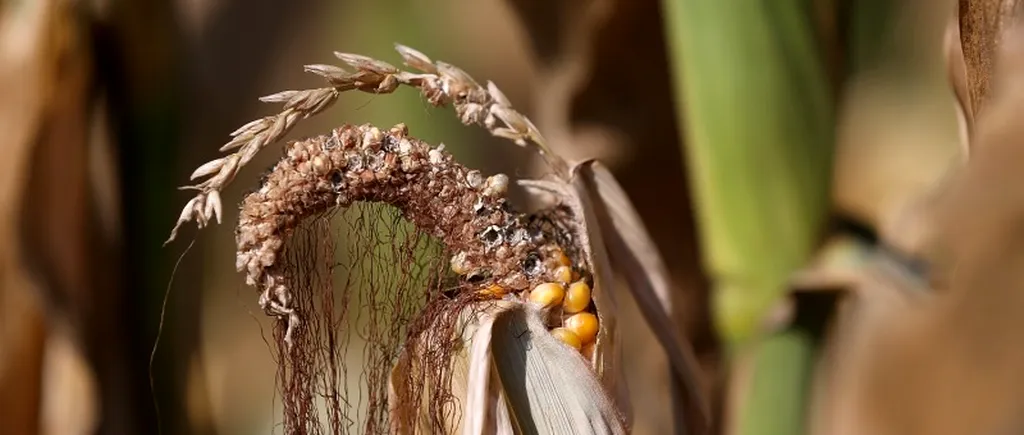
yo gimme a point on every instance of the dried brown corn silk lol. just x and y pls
(475, 318)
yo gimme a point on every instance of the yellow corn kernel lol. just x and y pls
(563, 274)
(567, 337)
(562, 259)
(577, 298)
(588, 351)
(548, 294)
(494, 290)
(584, 325)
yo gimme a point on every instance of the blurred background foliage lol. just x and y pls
(773, 147)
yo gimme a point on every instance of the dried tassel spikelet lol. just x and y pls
(442, 84)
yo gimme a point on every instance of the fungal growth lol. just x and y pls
(401, 289)
(496, 251)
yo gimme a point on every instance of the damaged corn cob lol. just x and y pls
(538, 284)
(498, 253)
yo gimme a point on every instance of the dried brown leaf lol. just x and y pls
(906, 365)
(56, 268)
(982, 27)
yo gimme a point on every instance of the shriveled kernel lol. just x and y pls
(435, 157)
(372, 137)
(584, 325)
(494, 290)
(321, 165)
(577, 298)
(474, 179)
(563, 260)
(548, 294)
(404, 147)
(567, 337)
(339, 160)
(563, 274)
(459, 264)
(400, 130)
(496, 185)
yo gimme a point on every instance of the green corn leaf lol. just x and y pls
(754, 99)
(753, 96)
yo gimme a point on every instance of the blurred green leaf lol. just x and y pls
(759, 125)
(783, 363)
(753, 94)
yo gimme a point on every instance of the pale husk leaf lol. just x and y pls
(609, 214)
(550, 387)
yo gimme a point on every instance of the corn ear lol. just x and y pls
(513, 377)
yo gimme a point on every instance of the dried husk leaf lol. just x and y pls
(949, 363)
(611, 231)
(486, 409)
(550, 387)
(611, 219)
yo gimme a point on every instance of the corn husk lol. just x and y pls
(609, 214)
(514, 377)
(618, 244)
